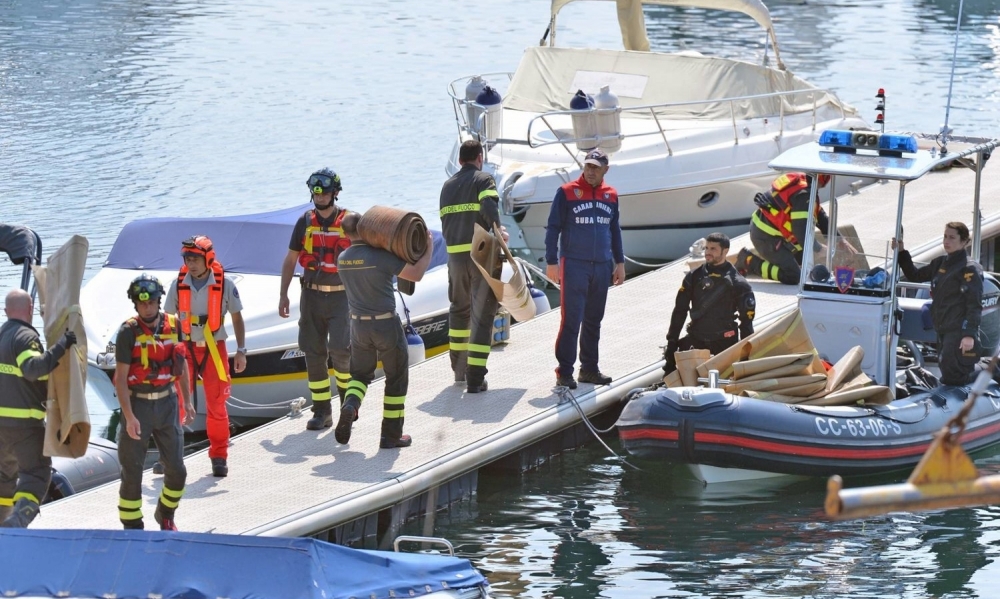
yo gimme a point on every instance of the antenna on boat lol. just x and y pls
(945, 132)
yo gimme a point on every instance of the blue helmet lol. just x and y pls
(324, 181)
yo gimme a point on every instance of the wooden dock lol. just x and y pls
(285, 480)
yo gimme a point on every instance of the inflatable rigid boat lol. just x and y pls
(706, 426)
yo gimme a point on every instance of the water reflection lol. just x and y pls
(585, 527)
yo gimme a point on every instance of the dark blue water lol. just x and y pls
(112, 110)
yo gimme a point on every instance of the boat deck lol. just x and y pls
(285, 480)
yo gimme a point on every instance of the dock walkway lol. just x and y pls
(287, 481)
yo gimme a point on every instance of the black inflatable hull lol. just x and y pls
(709, 427)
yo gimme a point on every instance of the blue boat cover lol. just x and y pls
(247, 243)
(134, 563)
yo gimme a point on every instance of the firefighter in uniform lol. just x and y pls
(583, 252)
(376, 333)
(24, 371)
(324, 326)
(716, 295)
(200, 296)
(778, 229)
(469, 197)
(957, 309)
(149, 359)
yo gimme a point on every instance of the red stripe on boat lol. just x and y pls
(794, 449)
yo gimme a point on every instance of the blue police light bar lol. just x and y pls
(838, 140)
(897, 144)
(852, 141)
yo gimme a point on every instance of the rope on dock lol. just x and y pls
(566, 396)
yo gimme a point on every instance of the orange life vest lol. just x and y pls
(322, 245)
(780, 214)
(214, 316)
(153, 352)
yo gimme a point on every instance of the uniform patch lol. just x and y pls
(607, 196)
(578, 192)
(844, 276)
(968, 276)
(236, 292)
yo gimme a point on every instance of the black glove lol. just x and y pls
(68, 339)
(670, 364)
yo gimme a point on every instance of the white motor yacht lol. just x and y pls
(690, 135)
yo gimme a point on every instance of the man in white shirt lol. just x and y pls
(201, 296)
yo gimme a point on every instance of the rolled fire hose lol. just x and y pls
(398, 231)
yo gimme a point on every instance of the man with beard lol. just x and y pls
(715, 294)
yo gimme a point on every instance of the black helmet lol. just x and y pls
(324, 181)
(819, 273)
(145, 287)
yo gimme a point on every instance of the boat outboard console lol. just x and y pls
(850, 284)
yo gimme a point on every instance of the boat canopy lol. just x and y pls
(247, 243)
(633, 24)
(20, 243)
(127, 563)
(547, 78)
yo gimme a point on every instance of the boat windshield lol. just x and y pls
(850, 265)
(102, 404)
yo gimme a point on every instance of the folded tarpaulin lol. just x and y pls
(135, 563)
(67, 420)
(514, 295)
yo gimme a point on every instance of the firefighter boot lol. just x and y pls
(348, 414)
(322, 416)
(165, 522)
(743, 260)
(219, 467)
(21, 516)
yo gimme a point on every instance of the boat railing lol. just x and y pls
(533, 139)
(651, 110)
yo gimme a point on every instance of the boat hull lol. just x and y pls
(707, 426)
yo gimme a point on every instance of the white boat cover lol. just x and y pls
(544, 81)
(633, 23)
(67, 420)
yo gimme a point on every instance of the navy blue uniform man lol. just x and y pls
(715, 295)
(583, 253)
(957, 307)
(376, 333)
(467, 198)
(24, 369)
